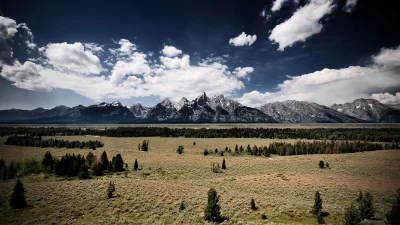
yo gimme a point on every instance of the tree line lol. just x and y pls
(362, 134)
(37, 141)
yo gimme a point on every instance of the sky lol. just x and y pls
(256, 52)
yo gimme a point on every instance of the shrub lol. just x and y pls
(327, 165)
(145, 146)
(205, 152)
(317, 208)
(135, 165)
(84, 172)
(366, 206)
(180, 149)
(321, 164)
(182, 206)
(393, 216)
(215, 168)
(221, 153)
(96, 167)
(17, 200)
(351, 216)
(223, 164)
(216, 150)
(212, 210)
(110, 189)
(253, 204)
(194, 143)
(263, 216)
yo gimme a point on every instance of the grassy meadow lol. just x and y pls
(283, 187)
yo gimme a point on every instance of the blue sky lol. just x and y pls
(84, 52)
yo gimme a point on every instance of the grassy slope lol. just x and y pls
(283, 187)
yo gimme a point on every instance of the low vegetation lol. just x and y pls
(37, 141)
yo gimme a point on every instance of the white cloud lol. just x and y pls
(387, 98)
(29, 43)
(8, 28)
(277, 5)
(243, 72)
(171, 51)
(176, 62)
(93, 47)
(350, 5)
(330, 86)
(304, 23)
(73, 57)
(137, 64)
(263, 13)
(243, 39)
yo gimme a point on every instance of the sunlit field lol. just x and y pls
(283, 187)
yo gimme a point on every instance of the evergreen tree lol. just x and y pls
(104, 160)
(366, 206)
(205, 152)
(17, 200)
(321, 164)
(84, 172)
(145, 146)
(180, 149)
(212, 210)
(253, 204)
(352, 216)
(320, 218)
(223, 164)
(97, 168)
(136, 165)
(110, 189)
(48, 162)
(90, 158)
(393, 216)
(182, 206)
(194, 143)
(317, 208)
(118, 163)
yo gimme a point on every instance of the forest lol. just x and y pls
(25, 140)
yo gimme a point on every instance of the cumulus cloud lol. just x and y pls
(29, 42)
(93, 47)
(73, 57)
(330, 86)
(304, 23)
(137, 64)
(387, 98)
(8, 28)
(350, 5)
(171, 51)
(176, 62)
(243, 72)
(277, 5)
(243, 39)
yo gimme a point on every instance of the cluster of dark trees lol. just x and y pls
(305, 148)
(362, 134)
(37, 141)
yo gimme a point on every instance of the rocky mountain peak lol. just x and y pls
(181, 103)
(167, 103)
(202, 99)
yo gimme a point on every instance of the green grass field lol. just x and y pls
(282, 187)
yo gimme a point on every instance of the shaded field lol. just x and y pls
(219, 125)
(282, 187)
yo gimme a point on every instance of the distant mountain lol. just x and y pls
(369, 110)
(305, 112)
(204, 109)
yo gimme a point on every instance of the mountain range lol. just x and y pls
(203, 109)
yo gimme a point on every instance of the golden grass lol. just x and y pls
(282, 187)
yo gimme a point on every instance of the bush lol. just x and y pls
(223, 164)
(351, 216)
(327, 165)
(215, 168)
(145, 146)
(205, 152)
(317, 208)
(17, 200)
(182, 206)
(263, 216)
(97, 168)
(135, 165)
(212, 210)
(321, 164)
(253, 204)
(221, 153)
(194, 143)
(110, 189)
(393, 216)
(180, 149)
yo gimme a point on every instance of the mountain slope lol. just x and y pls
(370, 110)
(304, 112)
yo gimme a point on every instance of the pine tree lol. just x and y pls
(352, 216)
(212, 210)
(118, 163)
(84, 172)
(366, 206)
(317, 208)
(136, 165)
(104, 160)
(321, 164)
(393, 216)
(145, 146)
(182, 206)
(48, 162)
(223, 164)
(17, 200)
(97, 168)
(110, 189)
(90, 158)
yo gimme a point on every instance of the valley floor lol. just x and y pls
(282, 187)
